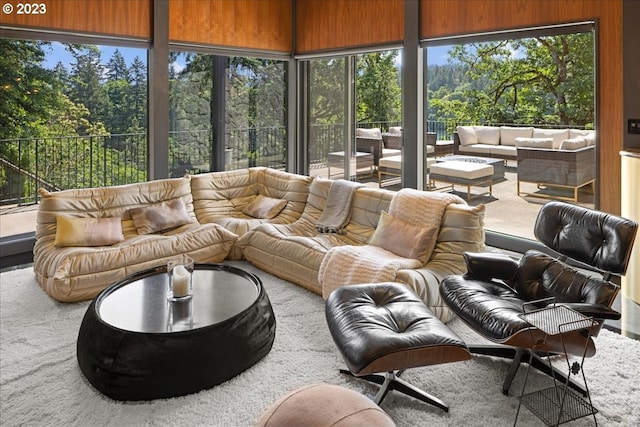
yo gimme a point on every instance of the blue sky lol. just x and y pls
(56, 52)
(437, 55)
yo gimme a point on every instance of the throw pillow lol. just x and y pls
(558, 135)
(573, 143)
(160, 216)
(71, 231)
(264, 207)
(403, 238)
(467, 135)
(395, 129)
(534, 142)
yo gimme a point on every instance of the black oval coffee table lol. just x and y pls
(134, 344)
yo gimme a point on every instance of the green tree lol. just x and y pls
(378, 88)
(86, 82)
(541, 80)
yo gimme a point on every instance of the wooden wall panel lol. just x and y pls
(253, 24)
(440, 18)
(127, 18)
(323, 25)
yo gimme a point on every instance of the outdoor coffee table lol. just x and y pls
(134, 344)
(498, 164)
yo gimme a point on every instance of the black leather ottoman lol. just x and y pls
(385, 327)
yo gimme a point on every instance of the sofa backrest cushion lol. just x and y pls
(462, 229)
(395, 130)
(574, 133)
(467, 135)
(114, 201)
(558, 135)
(373, 133)
(225, 194)
(508, 134)
(573, 143)
(534, 142)
(487, 134)
(368, 204)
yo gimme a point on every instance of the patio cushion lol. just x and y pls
(508, 134)
(467, 135)
(487, 134)
(534, 142)
(573, 143)
(558, 135)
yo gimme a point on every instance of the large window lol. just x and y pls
(249, 113)
(349, 96)
(71, 116)
(543, 81)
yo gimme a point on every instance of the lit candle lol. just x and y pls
(180, 281)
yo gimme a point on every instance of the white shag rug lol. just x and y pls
(42, 385)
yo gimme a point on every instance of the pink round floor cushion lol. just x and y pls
(324, 405)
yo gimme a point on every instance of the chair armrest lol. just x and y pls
(597, 311)
(490, 265)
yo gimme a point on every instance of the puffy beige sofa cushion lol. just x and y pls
(221, 197)
(72, 231)
(79, 273)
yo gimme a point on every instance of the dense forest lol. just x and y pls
(88, 118)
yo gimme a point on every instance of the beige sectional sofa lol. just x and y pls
(214, 207)
(78, 261)
(295, 251)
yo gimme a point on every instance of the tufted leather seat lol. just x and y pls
(385, 327)
(492, 295)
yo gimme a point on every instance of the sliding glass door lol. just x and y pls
(351, 102)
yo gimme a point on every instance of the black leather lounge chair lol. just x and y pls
(490, 297)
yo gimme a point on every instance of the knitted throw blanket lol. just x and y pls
(344, 265)
(337, 211)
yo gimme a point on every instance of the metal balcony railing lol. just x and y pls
(59, 163)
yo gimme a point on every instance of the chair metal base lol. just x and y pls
(521, 355)
(392, 381)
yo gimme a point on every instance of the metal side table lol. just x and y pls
(558, 404)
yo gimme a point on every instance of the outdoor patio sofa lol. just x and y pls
(87, 239)
(559, 158)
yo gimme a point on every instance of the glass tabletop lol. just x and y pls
(139, 303)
